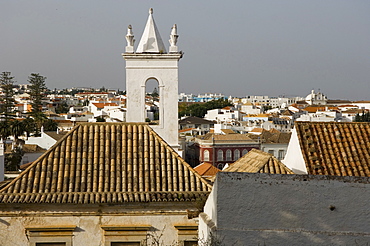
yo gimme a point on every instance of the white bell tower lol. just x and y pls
(151, 61)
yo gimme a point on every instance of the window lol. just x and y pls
(271, 152)
(281, 155)
(220, 155)
(187, 235)
(236, 154)
(50, 236)
(228, 155)
(206, 155)
(124, 235)
(245, 151)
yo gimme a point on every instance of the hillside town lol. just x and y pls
(99, 166)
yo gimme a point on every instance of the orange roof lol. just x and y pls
(206, 169)
(335, 148)
(314, 109)
(102, 105)
(187, 129)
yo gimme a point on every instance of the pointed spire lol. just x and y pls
(151, 41)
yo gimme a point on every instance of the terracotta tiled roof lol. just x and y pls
(102, 105)
(257, 161)
(332, 148)
(187, 130)
(107, 163)
(206, 169)
(314, 109)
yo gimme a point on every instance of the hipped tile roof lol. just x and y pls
(335, 148)
(206, 169)
(257, 161)
(107, 163)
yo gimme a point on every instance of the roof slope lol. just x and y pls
(195, 120)
(257, 161)
(332, 148)
(107, 163)
(206, 169)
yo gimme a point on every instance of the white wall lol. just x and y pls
(267, 209)
(294, 158)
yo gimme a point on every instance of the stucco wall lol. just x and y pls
(89, 220)
(266, 209)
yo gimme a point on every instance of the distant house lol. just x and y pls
(47, 139)
(257, 161)
(202, 126)
(330, 148)
(221, 149)
(273, 142)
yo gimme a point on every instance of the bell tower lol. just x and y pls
(152, 61)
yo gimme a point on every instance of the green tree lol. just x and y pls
(50, 125)
(200, 109)
(37, 92)
(16, 129)
(29, 126)
(364, 117)
(7, 101)
(13, 159)
(62, 108)
(4, 130)
(100, 119)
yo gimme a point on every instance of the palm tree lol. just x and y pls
(4, 130)
(28, 126)
(16, 129)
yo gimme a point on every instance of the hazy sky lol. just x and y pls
(259, 47)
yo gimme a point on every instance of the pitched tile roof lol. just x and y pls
(102, 105)
(257, 161)
(206, 169)
(107, 163)
(335, 148)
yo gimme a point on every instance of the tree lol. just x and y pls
(16, 129)
(4, 130)
(62, 108)
(50, 125)
(200, 109)
(7, 102)
(100, 119)
(364, 117)
(29, 126)
(37, 91)
(13, 159)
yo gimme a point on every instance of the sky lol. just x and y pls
(236, 47)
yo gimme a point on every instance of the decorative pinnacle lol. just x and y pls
(151, 11)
